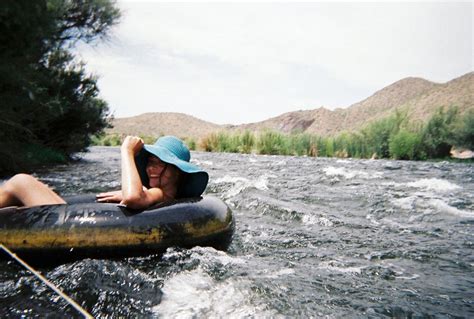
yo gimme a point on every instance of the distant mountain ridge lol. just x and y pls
(167, 123)
(419, 97)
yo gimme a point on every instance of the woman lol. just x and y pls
(150, 174)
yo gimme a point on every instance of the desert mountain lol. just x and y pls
(156, 124)
(419, 97)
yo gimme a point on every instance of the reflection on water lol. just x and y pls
(314, 237)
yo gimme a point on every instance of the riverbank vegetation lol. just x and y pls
(394, 137)
(50, 105)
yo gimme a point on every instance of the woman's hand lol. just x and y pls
(109, 197)
(132, 145)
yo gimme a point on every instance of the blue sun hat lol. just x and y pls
(172, 150)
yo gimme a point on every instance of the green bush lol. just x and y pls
(247, 141)
(302, 144)
(463, 134)
(227, 142)
(107, 140)
(438, 134)
(329, 147)
(272, 143)
(404, 145)
(210, 143)
(148, 139)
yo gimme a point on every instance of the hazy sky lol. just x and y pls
(246, 62)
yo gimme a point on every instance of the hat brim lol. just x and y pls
(195, 180)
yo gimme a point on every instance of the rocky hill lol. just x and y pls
(419, 97)
(156, 124)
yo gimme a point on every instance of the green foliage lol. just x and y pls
(107, 140)
(146, 139)
(210, 143)
(272, 143)
(40, 155)
(343, 145)
(463, 133)
(227, 143)
(301, 144)
(247, 141)
(404, 145)
(48, 100)
(438, 134)
(391, 137)
(377, 134)
(329, 147)
(32, 155)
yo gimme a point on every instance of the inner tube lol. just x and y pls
(83, 228)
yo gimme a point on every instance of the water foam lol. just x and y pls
(202, 163)
(406, 203)
(434, 184)
(336, 266)
(443, 207)
(194, 294)
(211, 255)
(314, 220)
(280, 273)
(343, 161)
(241, 183)
(349, 174)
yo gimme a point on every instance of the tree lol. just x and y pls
(48, 102)
(378, 133)
(438, 133)
(463, 135)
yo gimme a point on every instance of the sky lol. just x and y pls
(234, 63)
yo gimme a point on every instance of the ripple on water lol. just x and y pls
(108, 287)
(315, 237)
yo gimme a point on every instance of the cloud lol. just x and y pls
(235, 63)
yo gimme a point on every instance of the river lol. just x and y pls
(315, 237)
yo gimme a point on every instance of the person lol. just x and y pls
(150, 174)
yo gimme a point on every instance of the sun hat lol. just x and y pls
(172, 150)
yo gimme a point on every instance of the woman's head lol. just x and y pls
(168, 160)
(161, 174)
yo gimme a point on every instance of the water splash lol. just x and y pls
(350, 173)
(434, 184)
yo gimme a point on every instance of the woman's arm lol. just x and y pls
(134, 195)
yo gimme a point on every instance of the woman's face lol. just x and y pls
(161, 174)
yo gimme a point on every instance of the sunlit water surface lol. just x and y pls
(315, 237)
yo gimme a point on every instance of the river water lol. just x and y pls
(315, 237)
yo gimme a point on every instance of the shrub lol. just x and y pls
(463, 133)
(247, 141)
(272, 143)
(404, 145)
(438, 134)
(210, 143)
(106, 140)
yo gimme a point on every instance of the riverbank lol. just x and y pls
(274, 143)
(393, 137)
